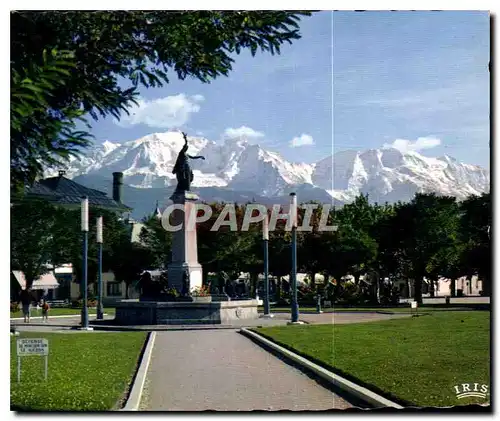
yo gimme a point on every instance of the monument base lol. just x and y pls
(184, 244)
(176, 275)
(201, 310)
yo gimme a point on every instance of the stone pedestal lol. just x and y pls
(201, 310)
(184, 242)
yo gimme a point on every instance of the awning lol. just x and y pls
(153, 273)
(47, 281)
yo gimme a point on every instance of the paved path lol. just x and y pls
(342, 317)
(54, 324)
(453, 300)
(224, 371)
(279, 319)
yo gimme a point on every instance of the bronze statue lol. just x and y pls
(182, 169)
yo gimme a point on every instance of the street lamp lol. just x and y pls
(85, 232)
(265, 238)
(100, 314)
(293, 294)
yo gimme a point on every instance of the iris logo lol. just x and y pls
(468, 390)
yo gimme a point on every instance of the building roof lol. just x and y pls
(63, 191)
(46, 281)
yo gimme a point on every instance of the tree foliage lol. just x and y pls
(42, 135)
(429, 237)
(69, 64)
(32, 241)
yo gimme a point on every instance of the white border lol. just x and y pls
(194, 5)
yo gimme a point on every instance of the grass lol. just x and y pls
(57, 311)
(415, 361)
(86, 372)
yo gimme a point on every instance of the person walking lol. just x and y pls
(26, 300)
(45, 310)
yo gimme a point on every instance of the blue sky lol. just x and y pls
(418, 80)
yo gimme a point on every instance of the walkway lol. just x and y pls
(342, 317)
(222, 370)
(454, 300)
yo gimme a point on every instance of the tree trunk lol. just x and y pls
(278, 288)
(453, 288)
(431, 287)
(375, 280)
(29, 282)
(253, 284)
(418, 289)
(486, 286)
(272, 285)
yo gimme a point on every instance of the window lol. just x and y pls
(113, 289)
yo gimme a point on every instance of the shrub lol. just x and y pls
(347, 293)
(202, 291)
(172, 292)
(79, 303)
(306, 296)
(283, 302)
(14, 307)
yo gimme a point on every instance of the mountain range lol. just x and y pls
(236, 170)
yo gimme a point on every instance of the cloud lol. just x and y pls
(167, 112)
(469, 94)
(421, 143)
(242, 131)
(302, 140)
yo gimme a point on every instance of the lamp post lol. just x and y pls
(265, 238)
(100, 312)
(85, 232)
(293, 294)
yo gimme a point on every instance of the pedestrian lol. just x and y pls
(26, 299)
(45, 310)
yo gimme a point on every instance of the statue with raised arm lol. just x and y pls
(182, 170)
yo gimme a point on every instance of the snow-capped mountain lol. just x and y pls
(235, 164)
(390, 175)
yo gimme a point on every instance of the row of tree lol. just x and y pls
(431, 236)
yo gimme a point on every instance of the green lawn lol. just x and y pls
(87, 371)
(60, 312)
(417, 360)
